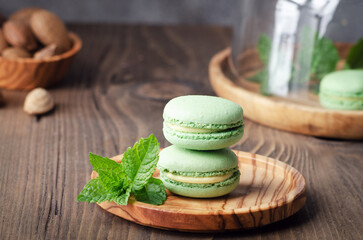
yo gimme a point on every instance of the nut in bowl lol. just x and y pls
(29, 73)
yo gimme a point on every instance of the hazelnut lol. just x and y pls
(38, 101)
(14, 53)
(18, 34)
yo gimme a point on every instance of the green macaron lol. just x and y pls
(342, 90)
(199, 174)
(202, 122)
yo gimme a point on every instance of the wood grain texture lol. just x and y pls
(281, 113)
(29, 73)
(268, 191)
(113, 94)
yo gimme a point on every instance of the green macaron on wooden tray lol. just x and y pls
(268, 191)
(305, 118)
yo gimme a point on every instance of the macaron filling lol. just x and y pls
(198, 180)
(199, 133)
(198, 174)
(198, 125)
(224, 180)
(192, 130)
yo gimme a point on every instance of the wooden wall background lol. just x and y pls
(345, 26)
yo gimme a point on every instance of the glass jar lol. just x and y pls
(285, 47)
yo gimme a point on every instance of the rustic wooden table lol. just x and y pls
(113, 94)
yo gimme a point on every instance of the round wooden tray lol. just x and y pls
(269, 191)
(281, 113)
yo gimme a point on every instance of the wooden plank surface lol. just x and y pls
(113, 94)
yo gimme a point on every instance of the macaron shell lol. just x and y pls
(200, 192)
(198, 109)
(174, 158)
(348, 83)
(342, 90)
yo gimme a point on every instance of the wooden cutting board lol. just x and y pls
(269, 191)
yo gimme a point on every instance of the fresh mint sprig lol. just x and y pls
(133, 176)
(354, 58)
(264, 45)
(324, 58)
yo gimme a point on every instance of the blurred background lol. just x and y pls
(348, 18)
(135, 11)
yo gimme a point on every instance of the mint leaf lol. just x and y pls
(116, 182)
(264, 48)
(264, 87)
(103, 163)
(113, 180)
(325, 57)
(109, 172)
(94, 191)
(123, 198)
(355, 56)
(110, 185)
(153, 192)
(259, 77)
(139, 162)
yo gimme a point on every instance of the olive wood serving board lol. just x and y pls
(295, 116)
(269, 191)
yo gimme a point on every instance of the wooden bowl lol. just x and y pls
(268, 191)
(29, 73)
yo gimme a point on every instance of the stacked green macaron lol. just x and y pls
(342, 90)
(202, 122)
(199, 164)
